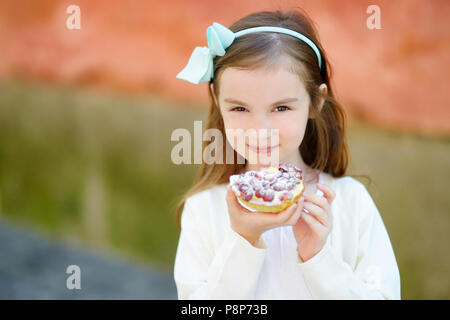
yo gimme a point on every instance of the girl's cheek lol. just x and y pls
(236, 139)
(293, 130)
(233, 123)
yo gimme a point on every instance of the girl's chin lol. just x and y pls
(257, 161)
(262, 165)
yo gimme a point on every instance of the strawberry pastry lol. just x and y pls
(269, 190)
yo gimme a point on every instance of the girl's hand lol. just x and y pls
(312, 229)
(251, 225)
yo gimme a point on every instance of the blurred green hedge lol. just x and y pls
(95, 167)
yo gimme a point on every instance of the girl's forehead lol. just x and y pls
(276, 80)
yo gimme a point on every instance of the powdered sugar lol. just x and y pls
(269, 186)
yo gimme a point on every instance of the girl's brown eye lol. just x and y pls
(284, 108)
(238, 109)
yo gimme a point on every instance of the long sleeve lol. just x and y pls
(375, 274)
(202, 272)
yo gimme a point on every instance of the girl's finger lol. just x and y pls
(289, 212)
(233, 203)
(292, 213)
(281, 217)
(294, 218)
(315, 225)
(318, 200)
(317, 213)
(275, 219)
(328, 193)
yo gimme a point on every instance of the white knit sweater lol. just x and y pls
(215, 262)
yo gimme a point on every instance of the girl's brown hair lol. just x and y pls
(324, 145)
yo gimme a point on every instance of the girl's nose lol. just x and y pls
(261, 129)
(261, 122)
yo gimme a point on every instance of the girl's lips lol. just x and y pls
(262, 150)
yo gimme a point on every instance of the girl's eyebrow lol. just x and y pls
(235, 101)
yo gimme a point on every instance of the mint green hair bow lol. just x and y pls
(200, 66)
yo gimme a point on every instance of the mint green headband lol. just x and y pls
(200, 65)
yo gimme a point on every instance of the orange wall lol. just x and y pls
(396, 77)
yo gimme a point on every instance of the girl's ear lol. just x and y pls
(323, 87)
(211, 87)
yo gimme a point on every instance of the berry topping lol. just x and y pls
(247, 196)
(290, 186)
(269, 194)
(286, 196)
(297, 169)
(272, 185)
(251, 173)
(257, 184)
(243, 187)
(279, 186)
(259, 175)
(260, 193)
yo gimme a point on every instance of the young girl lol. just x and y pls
(332, 244)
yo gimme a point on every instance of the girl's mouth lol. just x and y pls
(262, 150)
